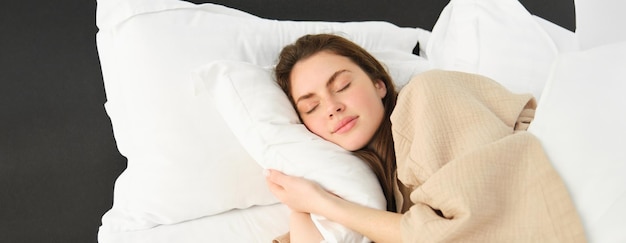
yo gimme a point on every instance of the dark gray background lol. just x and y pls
(58, 159)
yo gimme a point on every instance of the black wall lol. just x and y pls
(58, 159)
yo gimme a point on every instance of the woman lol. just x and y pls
(321, 74)
(344, 95)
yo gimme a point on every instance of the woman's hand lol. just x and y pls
(305, 196)
(299, 194)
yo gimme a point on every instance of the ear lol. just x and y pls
(381, 88)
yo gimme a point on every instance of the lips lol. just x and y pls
(345, 125)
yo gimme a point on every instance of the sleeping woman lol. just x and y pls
(450, 151)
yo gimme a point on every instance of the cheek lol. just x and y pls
(316, 126)
(365, 100)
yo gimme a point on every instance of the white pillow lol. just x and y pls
(565, 40)
(496, 38)
(580, 122)
(183, 161)
(600, 22)
(261, 116)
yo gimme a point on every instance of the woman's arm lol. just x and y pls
(302, 195)
(378, 225)
(302, 229)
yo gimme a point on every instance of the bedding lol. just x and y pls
(180, 152)
(599, 22)
(257, 224)
(462, 149)
(477, 37)
(563, 39)
(182, 184)
(580, 123)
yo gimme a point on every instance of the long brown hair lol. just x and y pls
(379, 153)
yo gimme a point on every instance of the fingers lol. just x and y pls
(272, 178)
(275, 176)
(274, 188)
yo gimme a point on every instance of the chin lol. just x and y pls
(352, 146)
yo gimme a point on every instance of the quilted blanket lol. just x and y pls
(470, 170)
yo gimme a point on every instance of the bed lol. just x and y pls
(173, 71)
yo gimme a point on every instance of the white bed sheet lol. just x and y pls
(255, 224)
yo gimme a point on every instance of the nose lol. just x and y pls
(334, 107)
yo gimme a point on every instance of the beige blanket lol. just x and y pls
(474, 174)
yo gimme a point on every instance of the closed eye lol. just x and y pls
(311, 110)
(344, 87)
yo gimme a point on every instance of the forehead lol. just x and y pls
(314, 72)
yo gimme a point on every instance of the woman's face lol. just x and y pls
(337, 100)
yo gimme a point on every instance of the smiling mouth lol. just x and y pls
(345, 125)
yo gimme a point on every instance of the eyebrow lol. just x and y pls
(330, 82)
